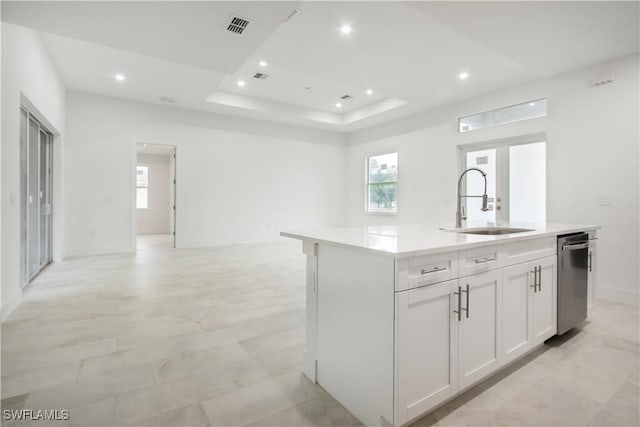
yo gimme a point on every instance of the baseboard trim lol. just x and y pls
(622, 296)
(88, 252)
(8, 305)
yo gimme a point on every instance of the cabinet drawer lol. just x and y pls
(478, 260)
(528, 250)
(425, 270)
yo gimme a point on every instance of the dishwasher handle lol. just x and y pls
(575, 246)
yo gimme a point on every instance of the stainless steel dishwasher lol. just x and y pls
(573, 254)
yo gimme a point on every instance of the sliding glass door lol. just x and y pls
(516, 182)
(35, 196)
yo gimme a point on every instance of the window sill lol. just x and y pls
(382, 213)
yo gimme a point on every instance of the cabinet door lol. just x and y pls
(478, 329)
(544, 301)
(426, 348)
(591, 275)
(516, 295)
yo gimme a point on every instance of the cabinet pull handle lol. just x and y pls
(459, 311)
(539, 278)
(466, 310)
(483, 260)
(590, 260)
(433, 270)
(535, 279)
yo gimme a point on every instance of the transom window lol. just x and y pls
(382, 184)
(512, 113)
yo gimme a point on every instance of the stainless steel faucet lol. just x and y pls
(460, 211)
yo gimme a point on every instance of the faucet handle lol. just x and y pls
(463, 216)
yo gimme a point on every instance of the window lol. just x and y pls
(513, 113)
(142, 187)
(382, 183)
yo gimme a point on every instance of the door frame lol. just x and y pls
(502, 166)
(33, 115)
(174, 189)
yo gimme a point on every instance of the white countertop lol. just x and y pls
(400, 241)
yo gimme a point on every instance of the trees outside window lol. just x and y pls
(382, 183)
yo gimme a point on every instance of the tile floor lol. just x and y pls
(213, 337)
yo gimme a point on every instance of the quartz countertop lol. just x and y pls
(400, 241)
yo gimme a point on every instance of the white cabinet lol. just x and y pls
(529, 306)
(447, 339)
(478, 333)
(544, 301)
(516, 316)
(425, 270)
(529, 250)
(478, 260)
(426, 348)
(592, 274)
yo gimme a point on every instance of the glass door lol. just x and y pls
(516, 183)
(35, 197)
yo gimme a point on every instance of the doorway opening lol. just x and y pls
(36, 142)
(155, 196)
(516, 180)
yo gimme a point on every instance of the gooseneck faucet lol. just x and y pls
(460, 212)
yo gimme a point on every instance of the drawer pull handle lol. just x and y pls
(485, 259)
(433, 270)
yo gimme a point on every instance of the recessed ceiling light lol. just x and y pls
(532, 104)
(346, 29)
(241, 83)
(369, 92)
(263, 63)
(463, 75)
(120, 77)
(338, 105)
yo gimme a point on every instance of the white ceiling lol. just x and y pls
(409, 53)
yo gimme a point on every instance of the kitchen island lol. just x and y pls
(402, 318)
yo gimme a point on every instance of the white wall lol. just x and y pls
(592, 151)
(238, 180)
(26, 72)
(155, 219)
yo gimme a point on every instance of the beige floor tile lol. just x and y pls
(260, 400)
(274, 341)
(187, 416)
(215, 335)
(38, 379)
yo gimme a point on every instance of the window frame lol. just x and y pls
(368, 184)
(142, 186)
(466, 116)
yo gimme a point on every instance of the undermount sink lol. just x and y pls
(490, 231)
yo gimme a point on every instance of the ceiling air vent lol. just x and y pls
(345, 97)
(260, 76)
(237, 25)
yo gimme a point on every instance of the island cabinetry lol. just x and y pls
(447, 339)
(479, 326)
(529, 298)
(478, 260)
(427, 348)
(424, 270)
